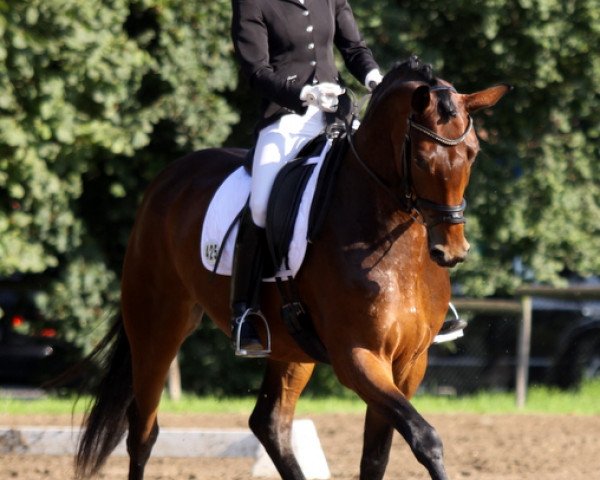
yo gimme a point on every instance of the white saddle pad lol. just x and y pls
(227, 202)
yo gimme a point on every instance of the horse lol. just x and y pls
(393, 227)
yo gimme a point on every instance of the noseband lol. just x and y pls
(411, 201)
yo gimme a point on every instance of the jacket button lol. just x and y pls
(309, 28)
(313, 63)
(305, 13)
(311, 46)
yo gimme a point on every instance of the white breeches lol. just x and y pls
(277, 144)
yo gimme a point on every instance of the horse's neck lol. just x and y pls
(374, 144)
(373, 182)
(367, 215)
(372, 242)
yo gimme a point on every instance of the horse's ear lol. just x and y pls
(421, 99)
(486, 98)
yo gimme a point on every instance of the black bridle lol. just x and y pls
(410, 201)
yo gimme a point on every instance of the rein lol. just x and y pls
(411, 202)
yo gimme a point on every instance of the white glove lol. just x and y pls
(373, 79)
(324, 96)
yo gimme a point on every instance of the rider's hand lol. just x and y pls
(373, 79)
(324, 96)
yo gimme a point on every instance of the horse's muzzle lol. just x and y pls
(448, 257)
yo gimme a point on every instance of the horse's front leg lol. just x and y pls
(271, 420)
(371, 377)
(376, 445)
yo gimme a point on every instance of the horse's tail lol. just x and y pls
(106, 421)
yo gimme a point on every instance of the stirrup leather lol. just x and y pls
(240, 352)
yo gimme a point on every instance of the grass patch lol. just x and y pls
(540, 400)
(40, 406)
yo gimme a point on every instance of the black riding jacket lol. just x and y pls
(283, 45)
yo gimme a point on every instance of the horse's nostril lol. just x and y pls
(437, 254)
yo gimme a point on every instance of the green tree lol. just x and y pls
(95, 98)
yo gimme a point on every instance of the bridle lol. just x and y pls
(410, 201)
(452, 214)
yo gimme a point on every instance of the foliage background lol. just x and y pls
(96, 97)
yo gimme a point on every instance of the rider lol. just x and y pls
(286, 50)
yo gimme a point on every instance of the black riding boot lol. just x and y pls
(246, 279)
(451, 328)
(452, 325)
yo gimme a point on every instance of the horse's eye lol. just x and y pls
(421, 162)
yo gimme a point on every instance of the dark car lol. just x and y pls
(565, 349)
(30, 352)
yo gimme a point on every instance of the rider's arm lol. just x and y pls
(251, 43)
(357, 57)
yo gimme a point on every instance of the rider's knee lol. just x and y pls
(259, 213)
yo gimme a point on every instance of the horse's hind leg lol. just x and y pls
(271, 420)
(156, 327)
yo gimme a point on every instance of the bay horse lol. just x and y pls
(375, 281)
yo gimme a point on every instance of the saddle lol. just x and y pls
(286, 195)
(291, 181)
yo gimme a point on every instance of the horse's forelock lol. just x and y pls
(446, 107)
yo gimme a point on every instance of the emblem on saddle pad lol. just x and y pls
(211, 252)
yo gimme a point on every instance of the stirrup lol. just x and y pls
(241, 352)
(456, 331)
